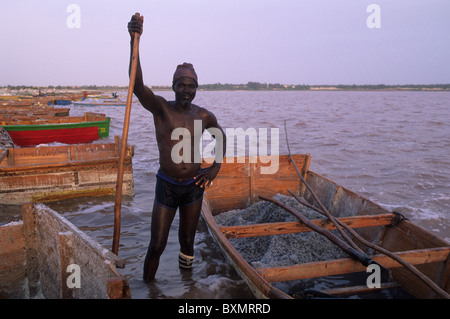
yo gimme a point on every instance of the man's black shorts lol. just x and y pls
(172, 193)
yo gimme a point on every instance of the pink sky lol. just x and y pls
(277, 41)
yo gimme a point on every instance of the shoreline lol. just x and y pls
(34, 91)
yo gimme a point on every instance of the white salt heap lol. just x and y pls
(290, 249)
(279, 250)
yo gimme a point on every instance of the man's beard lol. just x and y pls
(186, 99)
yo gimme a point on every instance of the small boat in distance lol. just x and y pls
(93, 104)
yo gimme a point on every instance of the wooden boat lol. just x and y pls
(67, 130)
(14, 97)
(48, 99)
(8, 112)
(105, 103)
(46, 256)
(40, 174)
(18, 103)
(60, 102)
(239, 185)
(102, 97)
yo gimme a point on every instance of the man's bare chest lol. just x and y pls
(172, 121)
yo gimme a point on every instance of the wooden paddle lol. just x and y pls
(123, 148)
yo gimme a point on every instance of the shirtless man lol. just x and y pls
(179, 185)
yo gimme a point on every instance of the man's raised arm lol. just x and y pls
(143, 93)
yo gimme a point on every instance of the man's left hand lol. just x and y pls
(207, 175)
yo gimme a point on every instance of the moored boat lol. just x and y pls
(41, 174)
(46, 256)
(102, 97)
(67, 130)
(11, 112)
(40, 100)
(240, 184)
(93, 104)
(60, 102)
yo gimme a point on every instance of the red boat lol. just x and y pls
(67, 130)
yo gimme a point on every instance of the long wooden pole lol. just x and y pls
(123, 148)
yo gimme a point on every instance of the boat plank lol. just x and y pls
(263, 183)
(408, 236)
(359, 289)
(348, 265)
(297, 227)
(12, 261)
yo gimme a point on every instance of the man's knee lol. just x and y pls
(156, 248)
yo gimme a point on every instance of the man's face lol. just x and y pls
(185, 89)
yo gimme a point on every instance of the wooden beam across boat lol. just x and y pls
(267, 229)
(349, 265)
(361, 289)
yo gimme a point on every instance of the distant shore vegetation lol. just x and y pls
(257, 86)
(250, 86)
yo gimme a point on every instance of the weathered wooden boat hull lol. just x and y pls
(8, 112)
(52, 173)
(239, 185)
(61, 102)
(99, 104)
(41, 100)
(46, 256)
(101, 97)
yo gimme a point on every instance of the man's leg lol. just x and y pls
(162, 218)
(189, 216)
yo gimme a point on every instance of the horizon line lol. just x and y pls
(8, 86)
